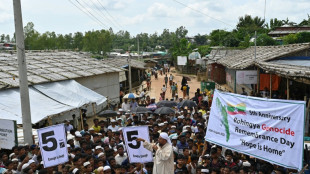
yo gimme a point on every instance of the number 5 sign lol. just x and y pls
(136, 152)
(53, 145)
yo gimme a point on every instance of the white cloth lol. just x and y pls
(113, 129)
(164, 89)
(126, 106)
(163, 160)
(165, 136)
(119, 159)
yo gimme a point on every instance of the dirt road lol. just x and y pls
(158, 84)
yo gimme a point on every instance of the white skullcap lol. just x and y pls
(68, 145)
(98, 147)
(31, 161)
(70, 137)
(174, 138)
(181, 117)
(120, 110)
(161, 124)
(14, 159)
(75, 170)
(91, 129)
(100, 169)
(153, 98)
(86, 163)
(11, 155)
(99, 134)
(246, 164)
(25, 166)
(205, 170)
(173, 127)
(72, 155)
(113, 121)
(166, 122)
(100, 154)
(105, 168)
(165, 136)
(78, 134)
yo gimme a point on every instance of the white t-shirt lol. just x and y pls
(114, 129)
(164, 89)
(126, 106)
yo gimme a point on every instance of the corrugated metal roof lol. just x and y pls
(123, 62)
(51, 66)
(246, 57)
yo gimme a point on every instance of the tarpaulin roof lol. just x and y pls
(48, 100)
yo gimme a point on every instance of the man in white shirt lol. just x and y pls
(113, 127)
(164, 89)
(121, 156)
(126, 105)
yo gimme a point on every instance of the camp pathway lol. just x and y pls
(158, 84)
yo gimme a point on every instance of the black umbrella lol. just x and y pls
(107, 113)
(141, 110)
(188, 103)
(164, 111)
(166, 103)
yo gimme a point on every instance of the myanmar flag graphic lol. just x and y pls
(236, 109)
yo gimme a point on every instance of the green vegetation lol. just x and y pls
(176, 42)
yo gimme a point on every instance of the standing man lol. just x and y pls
(163, 162)
(173, 90)
(170, 79)
(166, 80)
(126, 105)
(164, 89)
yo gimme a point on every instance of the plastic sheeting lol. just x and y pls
(71, 93)
(48, 100)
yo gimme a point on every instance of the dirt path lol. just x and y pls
(158, 84)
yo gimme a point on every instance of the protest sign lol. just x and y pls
(53, 145)
(136, 152)
(8, 134)
(268, 129)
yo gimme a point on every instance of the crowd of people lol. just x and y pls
(176, 140)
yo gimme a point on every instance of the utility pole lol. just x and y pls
(138, 48)
(129, 70)
(22, 71)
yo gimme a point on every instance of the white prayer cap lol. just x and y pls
(78, 134)
(204, 170)
(11, 155)
(100, 169)
(119, 119)
(68, 145)
(86, 163)
(100, 154)
(161, 124)
(181, 117)
(99, 134)
(25, 166)
(246, 164)
(105, 168)
(31, 161)
(174, 138)
(120, 110)
(70, 137)
(91, 129)
(98, 147)
(165, 136)
(14, 159)
(166, 122)
(75, 170)
(153, 98)
(173, 127)
(72, 155)
(113, 121)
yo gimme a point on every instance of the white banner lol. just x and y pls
(135, 150)
(182, 60)
(53, 145)
(8, 134)
(269, 129)
(246, 77)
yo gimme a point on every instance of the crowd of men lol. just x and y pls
(176, 140)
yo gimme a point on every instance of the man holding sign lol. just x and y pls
(163, 162)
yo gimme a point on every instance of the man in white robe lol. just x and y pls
(163, 161)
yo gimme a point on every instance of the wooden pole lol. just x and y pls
(94, 110)
(82, 124)
(270, 85)
(258, 80)
(287, 89)
(307, 116)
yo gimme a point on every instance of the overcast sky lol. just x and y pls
(147, 16)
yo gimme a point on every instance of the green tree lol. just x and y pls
(200, 39)
(275, 23)
(78, 41)
(289, 39)
(305, 22)
(265, 40)
(204, 50)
